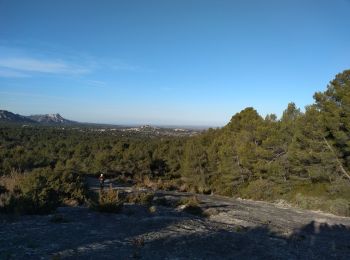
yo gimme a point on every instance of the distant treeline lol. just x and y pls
(303, 157)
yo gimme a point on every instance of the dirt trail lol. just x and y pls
(236, 229)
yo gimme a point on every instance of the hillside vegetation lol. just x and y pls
(303, 157)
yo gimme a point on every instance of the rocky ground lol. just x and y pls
(230, 229)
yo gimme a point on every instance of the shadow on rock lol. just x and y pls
(313, 241)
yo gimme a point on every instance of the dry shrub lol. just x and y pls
(184, 187)
(10, 182)
(152, 209)
(159, 184)
(190, 201)
(147, 182)
(169, 185)
(143, 198)
(107, 201)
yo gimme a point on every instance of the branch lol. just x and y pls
(277, 156)
(337, 159)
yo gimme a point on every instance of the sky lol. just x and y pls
(179, 62)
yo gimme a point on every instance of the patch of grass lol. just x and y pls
(159, 184)
(337, 206)
(309, 202)
(240, 229)
(189, 201)
(191, 205)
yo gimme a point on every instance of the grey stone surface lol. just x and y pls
(239, 229)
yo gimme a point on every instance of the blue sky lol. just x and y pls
(180, 62)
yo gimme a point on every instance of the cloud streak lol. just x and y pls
(4, 73)
(18, 65)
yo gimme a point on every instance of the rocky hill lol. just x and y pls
(50, 119)
(9, 117)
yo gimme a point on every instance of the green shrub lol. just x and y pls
(259, 190)
(72, 186)
(40, 191)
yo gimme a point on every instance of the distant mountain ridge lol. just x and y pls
(58, 120)
(6, 116)
(9, 117)
(50, 119)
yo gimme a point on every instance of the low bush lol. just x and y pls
(193, 201)
(143, 198)
(165, 202)
(258, 190)
(337, 206)
(152, 209)
(191, 205)
(159, 184)
(107, 201)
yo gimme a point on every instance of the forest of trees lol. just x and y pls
(303, 157)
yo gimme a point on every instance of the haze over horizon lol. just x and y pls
(179, 62)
